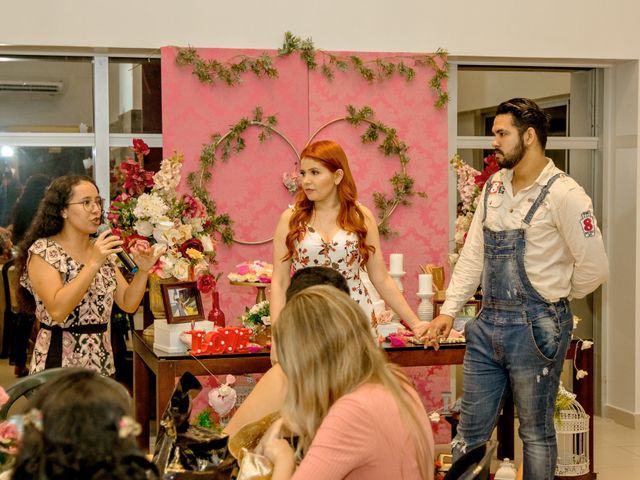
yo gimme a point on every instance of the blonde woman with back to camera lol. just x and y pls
(356, 415)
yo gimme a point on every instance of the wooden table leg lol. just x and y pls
(165, 383)
(141, 400)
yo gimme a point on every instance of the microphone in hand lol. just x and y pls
(124, 257)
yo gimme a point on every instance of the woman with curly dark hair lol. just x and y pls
(74, 279)
(78, 426)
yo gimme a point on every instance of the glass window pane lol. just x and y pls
(22, 162)
(135, 103)
(45, 94)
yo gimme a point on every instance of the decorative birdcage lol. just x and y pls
(572, 434)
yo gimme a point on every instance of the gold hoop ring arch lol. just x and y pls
(254, 123)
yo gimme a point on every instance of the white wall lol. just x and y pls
(545, 28)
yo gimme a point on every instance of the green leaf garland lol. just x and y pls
(380, 69)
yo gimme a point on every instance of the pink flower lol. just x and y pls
(193, 207)
(4, 397)
(137, 244)
(243, 269)
(8, 432)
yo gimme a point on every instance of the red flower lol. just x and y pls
(139, 147)
(206, 283)
(491, 167)
(137, 179)
(191, 243)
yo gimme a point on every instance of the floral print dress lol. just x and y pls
(340, 253)
(79, 349)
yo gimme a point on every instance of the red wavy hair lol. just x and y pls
(350, 217)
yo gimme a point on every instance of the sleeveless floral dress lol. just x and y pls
(340, 253)
(79, 349)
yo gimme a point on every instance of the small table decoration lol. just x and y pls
(256, 273)
(258, 320)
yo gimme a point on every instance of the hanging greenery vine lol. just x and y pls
(380, 69)
(222, 146)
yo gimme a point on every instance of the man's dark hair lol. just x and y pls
(527, 114)
(310, 276)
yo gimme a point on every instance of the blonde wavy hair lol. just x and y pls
(326, 350)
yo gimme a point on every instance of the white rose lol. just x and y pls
(162, 232)
(207, 244)
(181, 269)
(144, 228)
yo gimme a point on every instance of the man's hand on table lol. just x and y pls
(438, 331)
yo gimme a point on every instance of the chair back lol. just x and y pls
(25, 386)
(474, 464)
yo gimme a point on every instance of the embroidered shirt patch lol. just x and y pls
(496, 187)
(588, 224)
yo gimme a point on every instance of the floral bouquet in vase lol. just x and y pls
(150, 212)
(258, 319)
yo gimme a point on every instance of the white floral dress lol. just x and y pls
(84, 334)
(340, 253)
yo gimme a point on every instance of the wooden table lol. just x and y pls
(165, 367)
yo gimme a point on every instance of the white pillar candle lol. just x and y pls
(425, 283)
(395, 263)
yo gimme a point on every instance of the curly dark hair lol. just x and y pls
(47, 222)
(79, 436)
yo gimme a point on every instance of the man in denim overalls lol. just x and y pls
(535, 244)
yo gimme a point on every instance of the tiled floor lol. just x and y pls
(617, 448)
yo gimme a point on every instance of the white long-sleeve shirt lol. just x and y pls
(564, 253)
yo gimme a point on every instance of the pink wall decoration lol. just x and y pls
(249, 186)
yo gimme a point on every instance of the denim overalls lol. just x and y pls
(520, 338)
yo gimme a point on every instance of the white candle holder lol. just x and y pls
(397, 277)
(425, 309)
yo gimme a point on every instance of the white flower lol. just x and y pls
(195, 223)
(266, 319)
(144, 228)
(581, 374)
(150, 205)
(164, 232)
(586, 344)
(207, 244)
(181, 269)
(434, 417)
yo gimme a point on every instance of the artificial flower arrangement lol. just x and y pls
(470, 183)
(257, 271)
(257, 316)
(149, 212)
(9, 438)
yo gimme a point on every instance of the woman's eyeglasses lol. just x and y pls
(88, 203)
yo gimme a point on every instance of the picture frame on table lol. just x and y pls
(466, 313)
(182, 302)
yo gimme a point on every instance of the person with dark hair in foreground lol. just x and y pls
(535, 244)
(79, 426)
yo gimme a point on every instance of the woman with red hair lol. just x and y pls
(328, 227)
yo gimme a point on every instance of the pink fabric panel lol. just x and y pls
(407, 107)
(249, 186)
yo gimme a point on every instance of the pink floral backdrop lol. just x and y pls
(249, 185)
